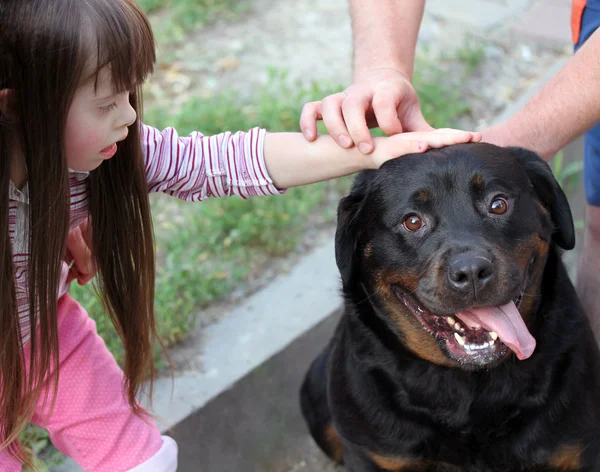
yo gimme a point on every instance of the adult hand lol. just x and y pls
(384, 98)
(79, 242)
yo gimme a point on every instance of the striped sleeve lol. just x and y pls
(197, 167)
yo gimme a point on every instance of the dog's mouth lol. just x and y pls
(479, 335)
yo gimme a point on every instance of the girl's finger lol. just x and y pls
(84, 279)
(80, 251)
(475, 135)
(400, 147)
(440, 139)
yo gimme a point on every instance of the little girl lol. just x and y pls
(72, 147)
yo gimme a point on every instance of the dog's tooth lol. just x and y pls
(451, 321)
(493, 335)
(477, 347)
(457, 327)
(492, 342)
(460, 339)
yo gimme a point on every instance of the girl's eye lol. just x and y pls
(499, 206)
(413, 223)
(108, 108)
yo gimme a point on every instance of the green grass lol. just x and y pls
(569, 177)
(471, 54)
(36, 441)
(172, 19)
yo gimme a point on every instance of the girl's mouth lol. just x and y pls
(109, 151)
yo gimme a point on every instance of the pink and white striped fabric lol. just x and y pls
(197, 167)
(191, 168)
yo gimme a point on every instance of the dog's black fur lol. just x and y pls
(387, 395)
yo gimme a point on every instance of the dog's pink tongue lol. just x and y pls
(506, 321)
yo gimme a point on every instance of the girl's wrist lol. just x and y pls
(380, 154)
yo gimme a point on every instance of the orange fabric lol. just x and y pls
(576, 14)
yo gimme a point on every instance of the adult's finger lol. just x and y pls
(311, 113)
(354, 110)
(414, 119)
(385, 108)
(331, 109)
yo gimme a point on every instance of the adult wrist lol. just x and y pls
(510, 133)
(363, 72)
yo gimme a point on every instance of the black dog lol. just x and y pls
(463, 346)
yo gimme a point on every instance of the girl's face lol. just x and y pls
(98, 119)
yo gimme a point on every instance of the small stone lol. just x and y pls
(228, 64)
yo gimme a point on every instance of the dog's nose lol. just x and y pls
(469, 272)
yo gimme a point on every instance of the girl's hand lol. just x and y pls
(78, 251)
(398, 145)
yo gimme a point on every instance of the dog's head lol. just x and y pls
(448, 247)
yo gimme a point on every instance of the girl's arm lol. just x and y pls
(292, 161)
(196, 167)
(256, 163)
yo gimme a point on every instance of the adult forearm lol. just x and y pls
(385, 34)
(567, 106)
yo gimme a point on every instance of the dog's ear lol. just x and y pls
(550, 194)
(346, 236)
(348, 232)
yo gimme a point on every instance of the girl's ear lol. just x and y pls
(6, 103)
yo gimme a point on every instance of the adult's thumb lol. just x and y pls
(415, 121)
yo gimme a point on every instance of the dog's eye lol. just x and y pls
(499, 206)
(413, 223)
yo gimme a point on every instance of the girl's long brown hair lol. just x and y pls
(49, 48)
